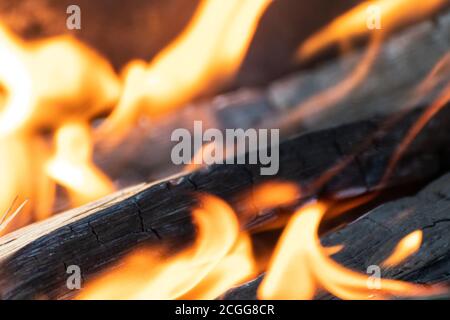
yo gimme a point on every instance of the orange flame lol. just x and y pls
(71, 166)
(301, 265)
(207, 54)
(274, 194)
(58, 75)
(405, 248)
(440, 103)
(201, 271)
(49, 85)
(353, 24)
(43, 84)
(393, 14)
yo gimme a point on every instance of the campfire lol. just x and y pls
(249, 149)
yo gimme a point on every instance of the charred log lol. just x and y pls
(33, 260)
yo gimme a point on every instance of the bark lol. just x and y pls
(33, 260)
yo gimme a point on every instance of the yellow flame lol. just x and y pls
(47, 81)
(72, 167)
(22, 160)
(201, 271)
(43, 84)
(300, 266)
(409, 245)
(207, 54)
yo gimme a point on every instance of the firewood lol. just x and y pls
(370, 239)
(33, 260)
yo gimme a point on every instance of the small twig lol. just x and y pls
(7, 217)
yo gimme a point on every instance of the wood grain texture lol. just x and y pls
(33, 260)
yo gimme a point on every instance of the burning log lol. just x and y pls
(370, 239)
(34, 259)
(251, 107)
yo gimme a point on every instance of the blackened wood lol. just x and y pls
(33, 260)
(370, 239)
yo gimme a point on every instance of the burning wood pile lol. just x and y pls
(234, 163)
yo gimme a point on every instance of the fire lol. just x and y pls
(206, 55)
(59, 75)
(300, 266)
(199, 272)
(274, 194)
(43, 85)
(405, 248)
(72, 167)
(353, 24)
(59, 86)
(429, 113)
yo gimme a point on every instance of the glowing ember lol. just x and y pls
(207, 54)
(405, 248)
(300, 266)
(201, 271)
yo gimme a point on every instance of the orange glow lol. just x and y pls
(201, 271)
(72, 167)
(300, 266)
(353, 24)
(206, 55)
(274, 194)
(405, 248)
(43, 84)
